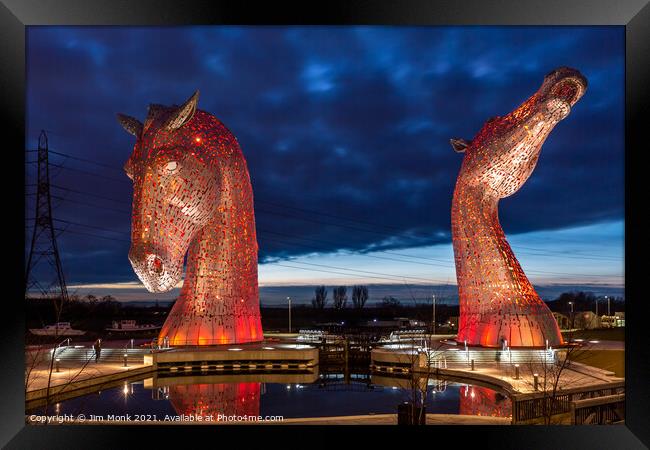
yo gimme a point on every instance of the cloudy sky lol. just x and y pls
(346, 134)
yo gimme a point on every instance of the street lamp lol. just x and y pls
(289, 300)
(608, 310)
(571, 304)
(433, 324)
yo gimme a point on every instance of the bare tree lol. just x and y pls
(359, 296)
(340, 297)
(551, 367)
(425, 358)
(320, 299)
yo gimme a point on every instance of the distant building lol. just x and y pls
(586, 320)
(617, 320)
(397, 322)
(563, 321)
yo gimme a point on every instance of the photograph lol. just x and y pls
(324, 225)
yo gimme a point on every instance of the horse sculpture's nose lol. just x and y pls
(155, 264)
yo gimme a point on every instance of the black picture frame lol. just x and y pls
(634, 15)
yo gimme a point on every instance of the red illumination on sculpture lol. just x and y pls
(192, 193)
(481, 401)
(216, 399)
(497, 301)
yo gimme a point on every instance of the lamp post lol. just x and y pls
(571, 304)
(433, 323)
(289, 300)
(608, 309)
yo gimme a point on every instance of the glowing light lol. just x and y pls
(193, 195)
(498, 304)
(204, 399)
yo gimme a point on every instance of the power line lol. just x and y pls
(88, 161)
(90, 226)
(364, 271)
(94, 174)
(67, 200)
(450, 265)
(446, 263)
(67, 231)
(91, 195)
(340, 273)
(280, 241)
(311, 211)
(320, 222)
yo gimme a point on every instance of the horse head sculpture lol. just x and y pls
(192, 196)
(498, 303)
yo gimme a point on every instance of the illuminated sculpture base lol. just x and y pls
(517, 330)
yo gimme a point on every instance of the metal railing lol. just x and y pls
(546, 404)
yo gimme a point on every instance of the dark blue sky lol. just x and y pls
(351, 122)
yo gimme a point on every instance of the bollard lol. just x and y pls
(516, 371)
(126, 355)
(472, 364)
(535, 381)
(57, 364)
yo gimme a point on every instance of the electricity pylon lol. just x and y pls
(44, 252)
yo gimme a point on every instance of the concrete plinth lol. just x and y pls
(237, 358)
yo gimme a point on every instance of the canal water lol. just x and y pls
(324, 397)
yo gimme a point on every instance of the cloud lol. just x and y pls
(345, 129)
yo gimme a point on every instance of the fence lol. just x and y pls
(547, 405)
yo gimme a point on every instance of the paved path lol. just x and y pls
(370, 419)
(391, 419)
(576, 376)
(604, 345)
(78, 364)
(74, 373)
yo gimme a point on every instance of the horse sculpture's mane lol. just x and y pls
(192, 195)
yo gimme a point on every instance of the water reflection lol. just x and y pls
(225, 397)
(219, 399)
(482, 401)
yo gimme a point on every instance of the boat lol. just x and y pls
(58, 329)
(131, 326)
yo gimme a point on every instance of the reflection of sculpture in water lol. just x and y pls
(481, 401)
(497, 301)
(192, 194)
(227, 399)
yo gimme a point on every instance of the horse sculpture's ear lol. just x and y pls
(130, 124)
(459, 145)
(184, 113)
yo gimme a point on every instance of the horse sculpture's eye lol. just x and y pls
(171, 167)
